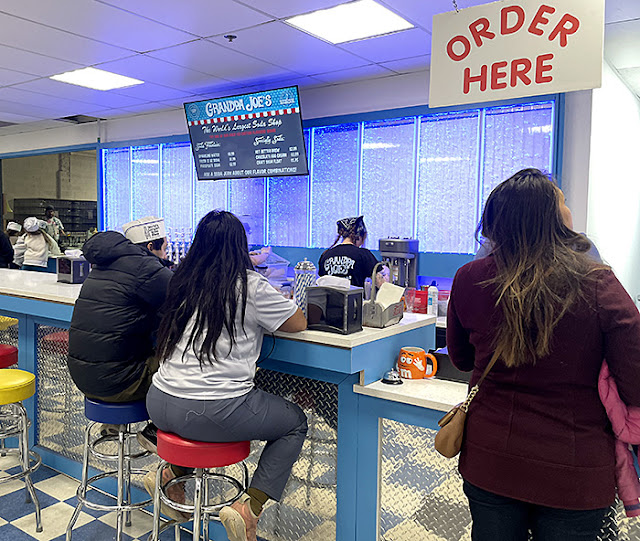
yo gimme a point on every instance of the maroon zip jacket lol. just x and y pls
(539, 433)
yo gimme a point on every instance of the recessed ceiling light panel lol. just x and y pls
(96, 79)
(352, 21)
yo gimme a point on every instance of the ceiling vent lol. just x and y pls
(4, 124)
(79, 119)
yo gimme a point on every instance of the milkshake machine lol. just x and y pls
(401, 256)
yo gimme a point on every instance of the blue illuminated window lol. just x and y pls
(424, 176)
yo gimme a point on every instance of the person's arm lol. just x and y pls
(6, 250)
(296, 323)
(461, 352)
(620, 324)
(19, 249)
(154, 288)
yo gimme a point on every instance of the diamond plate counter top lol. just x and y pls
(435, 394)
(368, 334)
(43, 286)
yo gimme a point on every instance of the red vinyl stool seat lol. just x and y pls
(59, 340)
(198, 454)
(201, 456)
(8, 355)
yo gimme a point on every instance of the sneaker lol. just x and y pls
(148, 438)
(176, 493)
(239, 521)
(109, 430)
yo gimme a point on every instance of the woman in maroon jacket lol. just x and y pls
(538, 451)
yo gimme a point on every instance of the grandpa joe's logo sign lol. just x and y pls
(511, 49)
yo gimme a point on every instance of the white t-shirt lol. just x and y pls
(231, 375)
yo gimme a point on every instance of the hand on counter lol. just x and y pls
(259, 257)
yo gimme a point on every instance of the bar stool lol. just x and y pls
(123, 414)
(8, 357)
(16, 386)
(201, 456)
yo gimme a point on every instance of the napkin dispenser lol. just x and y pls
(334, 309)
(374, 314)
(72, 270)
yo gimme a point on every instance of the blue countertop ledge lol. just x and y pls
(370, 352)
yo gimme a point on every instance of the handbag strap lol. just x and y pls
(474, 390)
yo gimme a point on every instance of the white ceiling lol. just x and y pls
(179, 50)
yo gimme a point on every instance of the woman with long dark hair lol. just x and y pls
(209, 340)
(538, 451)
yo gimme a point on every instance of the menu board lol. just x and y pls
(249, 135)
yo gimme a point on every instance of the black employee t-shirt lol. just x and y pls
(347, 261)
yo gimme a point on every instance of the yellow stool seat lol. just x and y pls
(16, 385)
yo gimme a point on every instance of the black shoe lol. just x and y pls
(148, 438)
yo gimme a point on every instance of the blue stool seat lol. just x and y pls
(121, 413)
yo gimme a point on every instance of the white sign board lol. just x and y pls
(511, 49)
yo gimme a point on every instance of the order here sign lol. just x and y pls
(511, 49)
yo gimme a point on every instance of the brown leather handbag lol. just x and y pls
(449, 437)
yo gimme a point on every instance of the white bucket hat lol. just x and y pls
(31, 224)
(144, 230)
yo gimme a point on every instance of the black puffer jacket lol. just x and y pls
(116, 314)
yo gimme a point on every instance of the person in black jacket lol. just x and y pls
(6, 251)
(111, 337)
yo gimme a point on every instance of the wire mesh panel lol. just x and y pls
(8, 331)
(307, 511)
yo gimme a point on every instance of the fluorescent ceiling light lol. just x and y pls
(350, 22)
(96, 79)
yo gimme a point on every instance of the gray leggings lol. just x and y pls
(254, 416)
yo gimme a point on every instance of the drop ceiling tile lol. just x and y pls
(146, 108)
(200, 17)
(621, 10)
(50, 41)
(99, 22)
(394, 46)
(221, 61)
(151, 92)
(105, 99)
(283, 45)
(159, 72)
(7, 116)
(421, 12)
(108, 113)
(11, 77)
(289, 8)
(408, 65)
(45, 101)
(37, 64)
(632, 77)
(622, 44)
(370, 71)
(21, 109)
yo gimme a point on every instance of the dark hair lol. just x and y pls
(156, 244)
(48, 208)
(352, 228)
(542, 267)
(209, 285)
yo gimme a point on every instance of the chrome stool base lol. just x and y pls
(123, 506)
(16, 424)
(201, 511)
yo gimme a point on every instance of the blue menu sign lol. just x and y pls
(249, 135)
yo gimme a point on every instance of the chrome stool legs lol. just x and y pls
(17, 425)
(124, 505)
(201, 510)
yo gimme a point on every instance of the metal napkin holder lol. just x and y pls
(373, 315)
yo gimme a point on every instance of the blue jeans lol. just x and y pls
(505, 519)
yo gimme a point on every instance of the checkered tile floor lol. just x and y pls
(57, 495)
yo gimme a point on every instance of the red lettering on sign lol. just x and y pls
(468, 79)
(541, 68)
(566, 26)
(519, 69)
(480, 29)
(496, 75)
(465, 43)
(505, 29)
(539, 18)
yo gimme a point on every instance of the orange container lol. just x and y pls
(413, 363)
